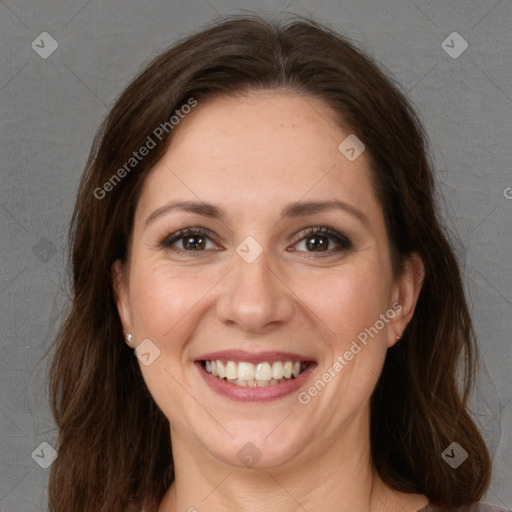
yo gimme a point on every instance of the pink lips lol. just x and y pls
(254, 394)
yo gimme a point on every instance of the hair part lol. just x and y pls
(114, 442)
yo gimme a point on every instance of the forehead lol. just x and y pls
(262, 148)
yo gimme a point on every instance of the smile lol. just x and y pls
(242, 373)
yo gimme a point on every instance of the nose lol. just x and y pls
(254, 297)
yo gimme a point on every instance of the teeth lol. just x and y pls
(220, 369)
(231, 370)
(259, 375)
(277, 370)
(245, 371)
(263, 371)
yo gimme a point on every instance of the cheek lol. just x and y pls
(347, 300)
(162, 297)
(167, 308)
(349, 303)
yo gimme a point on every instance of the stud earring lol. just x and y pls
(129, 338)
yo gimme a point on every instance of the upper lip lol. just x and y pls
(253, 357)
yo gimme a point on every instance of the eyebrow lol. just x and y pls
(312, 207)
(292, 210)
(197, 207)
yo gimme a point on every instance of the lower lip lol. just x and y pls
(254, 394)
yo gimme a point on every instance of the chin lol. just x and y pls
(258, 446)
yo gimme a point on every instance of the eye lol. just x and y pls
(190, 240)
(322, 240)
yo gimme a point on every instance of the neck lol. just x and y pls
(337, 477)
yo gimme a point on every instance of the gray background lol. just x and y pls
(50, 109)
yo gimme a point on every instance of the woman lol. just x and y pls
(257, 224)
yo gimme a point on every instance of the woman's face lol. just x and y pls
(257, 241)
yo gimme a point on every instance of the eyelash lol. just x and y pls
(342, 241)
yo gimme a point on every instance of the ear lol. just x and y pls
(121, 295)
(405, 296)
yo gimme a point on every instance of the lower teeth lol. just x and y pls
(256, 383)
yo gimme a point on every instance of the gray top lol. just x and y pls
(477, 507)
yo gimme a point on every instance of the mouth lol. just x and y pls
(255, 377)
(247, 374)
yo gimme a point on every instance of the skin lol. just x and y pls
(252, 155)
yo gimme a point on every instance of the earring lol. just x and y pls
(398, 338)
(129, 338)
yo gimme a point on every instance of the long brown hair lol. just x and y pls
(114, 442)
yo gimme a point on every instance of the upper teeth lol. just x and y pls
(263, 371)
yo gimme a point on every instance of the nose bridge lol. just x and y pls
(254, 275)
(254, 296)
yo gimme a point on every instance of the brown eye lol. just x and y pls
(189, 240)
(194, 242)
(322, 240)
(317, 243)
